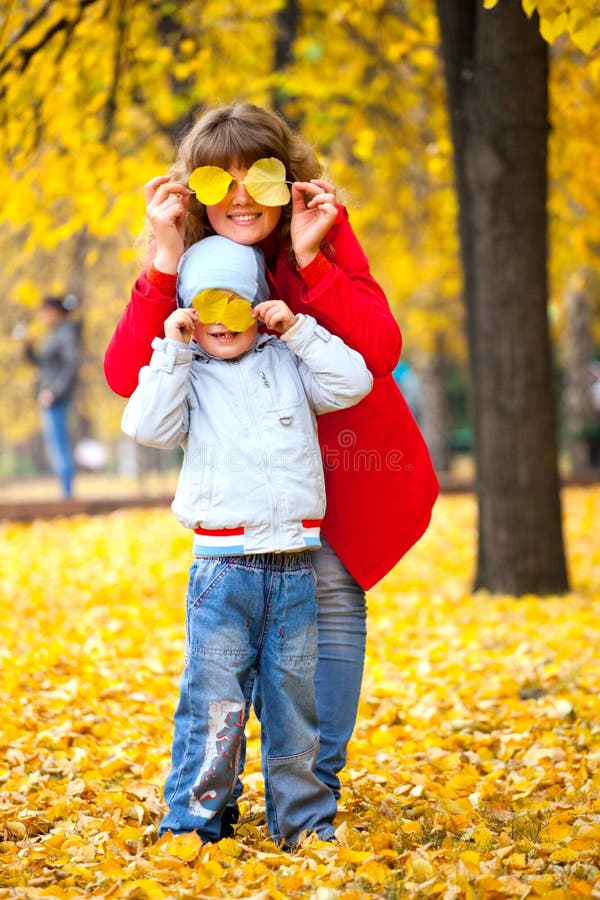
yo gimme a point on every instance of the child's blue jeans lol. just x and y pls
(244, 613)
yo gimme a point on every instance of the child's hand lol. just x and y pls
(276, 315)
(311, 221)
(180, 325)
(166, 205)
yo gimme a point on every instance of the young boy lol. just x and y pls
(243, 406)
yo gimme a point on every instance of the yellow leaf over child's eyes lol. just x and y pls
(210, 305)
(218, 305)
(237, 315)
(210, 183)
(265, 182)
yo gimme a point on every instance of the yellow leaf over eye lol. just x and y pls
(210, 183)
(265, 182)
(218, 305)
(210, 305)
(237, 315)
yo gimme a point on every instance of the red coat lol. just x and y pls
(380, 482)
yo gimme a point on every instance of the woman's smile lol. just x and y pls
(243, 218)
(238, 217)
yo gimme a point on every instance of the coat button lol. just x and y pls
(286, 420)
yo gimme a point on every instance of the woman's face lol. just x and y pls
(239, 217)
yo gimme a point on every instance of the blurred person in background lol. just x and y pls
(57, 359)
(410, 384)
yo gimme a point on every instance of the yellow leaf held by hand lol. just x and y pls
(210, 305)
(265, 181)
(217, 305)
(237, 315)
(210, 183)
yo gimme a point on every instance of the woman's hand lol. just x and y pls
(179, 326)
(311, 220)
(166, 205)
(276, 315)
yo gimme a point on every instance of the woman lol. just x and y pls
(379, 479)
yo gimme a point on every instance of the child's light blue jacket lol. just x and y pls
(252, 476)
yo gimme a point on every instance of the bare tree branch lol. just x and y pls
(110, 108)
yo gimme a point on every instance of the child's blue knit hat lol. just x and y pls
(217, 262)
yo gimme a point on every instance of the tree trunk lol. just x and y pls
(577, 355)
(496, 73)
(286, 23)
(434, 407)
(82, 424)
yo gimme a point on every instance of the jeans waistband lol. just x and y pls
(291, 561)
(234, 541)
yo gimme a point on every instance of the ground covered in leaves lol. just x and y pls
(474, 771)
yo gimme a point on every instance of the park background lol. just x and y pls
(464, 139)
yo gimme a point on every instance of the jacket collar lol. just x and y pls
(258, 346)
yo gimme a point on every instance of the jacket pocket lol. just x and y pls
(278, 392)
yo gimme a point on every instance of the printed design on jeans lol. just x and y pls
(217, 776)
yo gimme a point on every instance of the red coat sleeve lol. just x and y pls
(343, 296)
(130, 346)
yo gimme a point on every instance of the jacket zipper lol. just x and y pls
(256, 427)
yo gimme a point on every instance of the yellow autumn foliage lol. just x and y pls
(98, 107)
(474, 771)
(580, 19)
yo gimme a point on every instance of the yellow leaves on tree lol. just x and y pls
(95, 112)
(580, 19)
